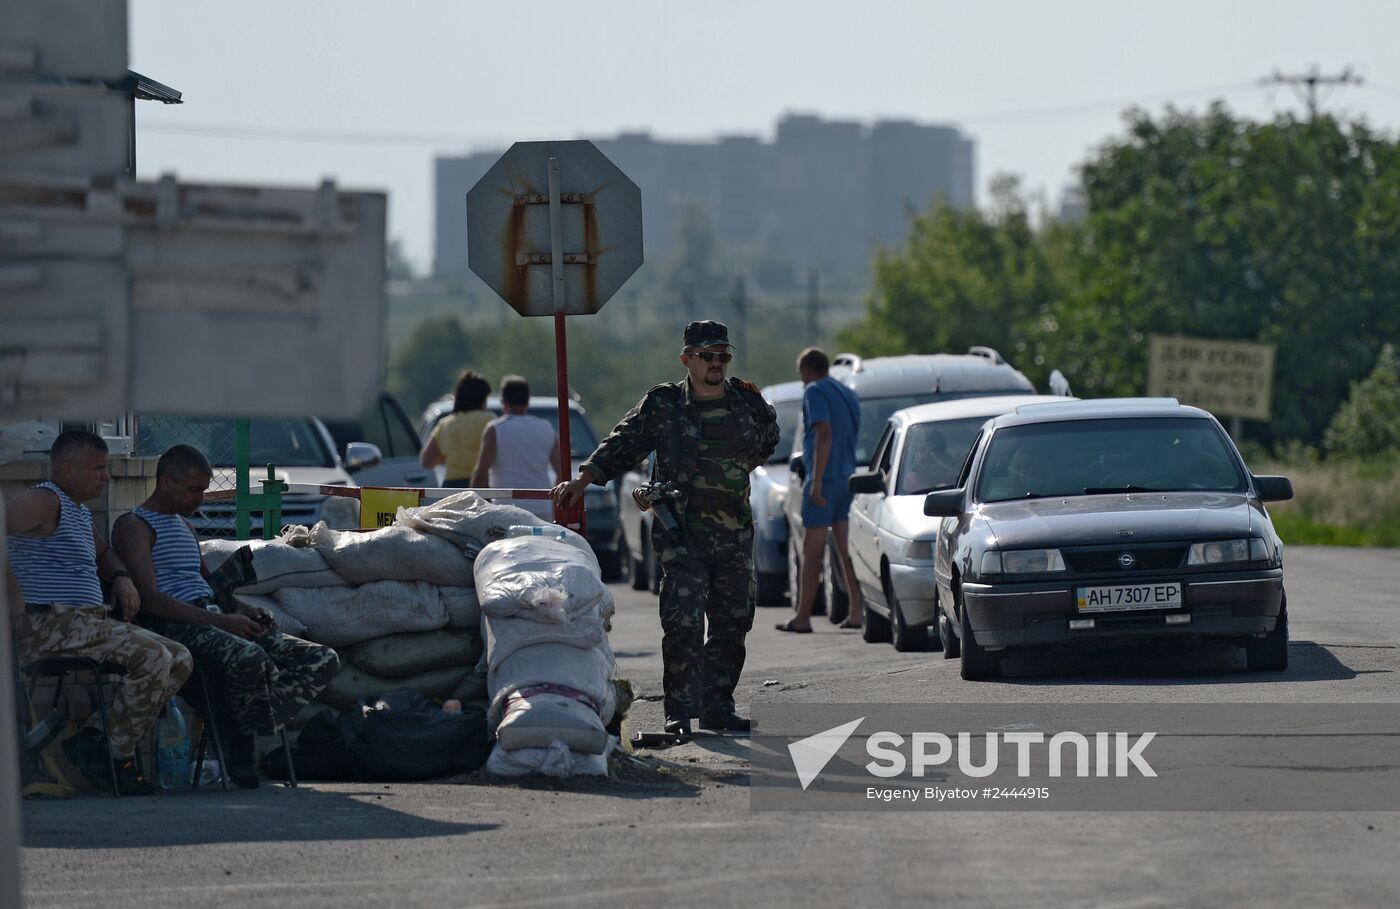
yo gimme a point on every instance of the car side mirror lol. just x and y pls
(866, 482)
(1274, 489)
(798, 468)
(945, 503)
(359, 455)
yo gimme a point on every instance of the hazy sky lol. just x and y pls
(291, 91)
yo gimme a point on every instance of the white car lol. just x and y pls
(892, 541)
(885, 385)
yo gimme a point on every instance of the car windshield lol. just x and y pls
(789, 412)
(1088, 457)
(285, 443)
(875, 413)
(934, 453)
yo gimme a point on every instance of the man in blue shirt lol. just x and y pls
(831, 425)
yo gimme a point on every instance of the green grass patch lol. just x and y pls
(1338, 503)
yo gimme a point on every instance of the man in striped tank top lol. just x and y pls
(259, 677)
(58, 562)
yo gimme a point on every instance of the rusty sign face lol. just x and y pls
(508, 229)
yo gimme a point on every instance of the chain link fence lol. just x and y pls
(156, 433)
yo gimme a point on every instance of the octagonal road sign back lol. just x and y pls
(508, 230)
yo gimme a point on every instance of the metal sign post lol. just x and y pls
(561, 346)
(565, 205)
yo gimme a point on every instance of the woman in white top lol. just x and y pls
(518, 451)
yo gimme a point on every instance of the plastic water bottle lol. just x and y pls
(172, 749)
(537, 530)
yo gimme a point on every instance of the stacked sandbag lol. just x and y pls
(398, 605)
(545, 616)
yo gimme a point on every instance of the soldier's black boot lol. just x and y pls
(725, 720)
(678, 724)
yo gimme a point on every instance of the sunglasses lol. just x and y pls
(710, 356)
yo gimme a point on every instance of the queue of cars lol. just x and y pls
(988, 518)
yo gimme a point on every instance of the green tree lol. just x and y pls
(427, 364)
(1207, 225)
(1368, 424)
(962, 278)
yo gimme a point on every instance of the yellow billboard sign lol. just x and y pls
(1227, 378)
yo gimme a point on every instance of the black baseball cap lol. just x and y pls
(707, 334)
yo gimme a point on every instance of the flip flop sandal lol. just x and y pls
(788, 626)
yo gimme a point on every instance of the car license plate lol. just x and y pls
(1128, 597)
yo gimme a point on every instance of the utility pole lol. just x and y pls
(814, 303)
(1305, 85)
(741, 319)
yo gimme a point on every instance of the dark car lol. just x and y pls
(1109, 520)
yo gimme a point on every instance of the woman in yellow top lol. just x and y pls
(456, 440)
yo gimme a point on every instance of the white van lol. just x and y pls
(884, 385)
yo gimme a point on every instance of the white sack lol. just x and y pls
(276, 564)
(466, 519)
(585, 670)
(542, 579)
(340, 616)
(462, 605)
(392, 554)
(537, 720)
(556, 761)
(505, 636)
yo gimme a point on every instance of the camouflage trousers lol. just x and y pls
(706, 577)
(156, 667)
(255, 686)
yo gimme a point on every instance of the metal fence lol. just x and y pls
(155, 433)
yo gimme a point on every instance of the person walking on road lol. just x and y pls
(518, 451)
(708, 432)
(456, 440)
(831, 425)
(58, 564)
(260, 678)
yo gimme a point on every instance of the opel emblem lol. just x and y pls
(1127, 560)
(1125, 533)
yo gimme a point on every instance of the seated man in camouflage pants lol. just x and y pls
(57, 563)
(260, 677)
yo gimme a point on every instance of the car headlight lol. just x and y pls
(1023, 561)
(340, 513)
(920, 551)
(1221, 552)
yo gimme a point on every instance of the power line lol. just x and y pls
(1087, 107)
(439, 139)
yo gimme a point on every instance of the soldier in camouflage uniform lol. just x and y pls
(260, 677)
(708, 432)
(57, 563)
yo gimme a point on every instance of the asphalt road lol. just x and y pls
(677, 829)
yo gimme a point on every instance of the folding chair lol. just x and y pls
(209, 730)
(60, 668)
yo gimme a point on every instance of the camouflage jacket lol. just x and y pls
(665, 421)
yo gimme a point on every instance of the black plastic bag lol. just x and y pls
(399, 736)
